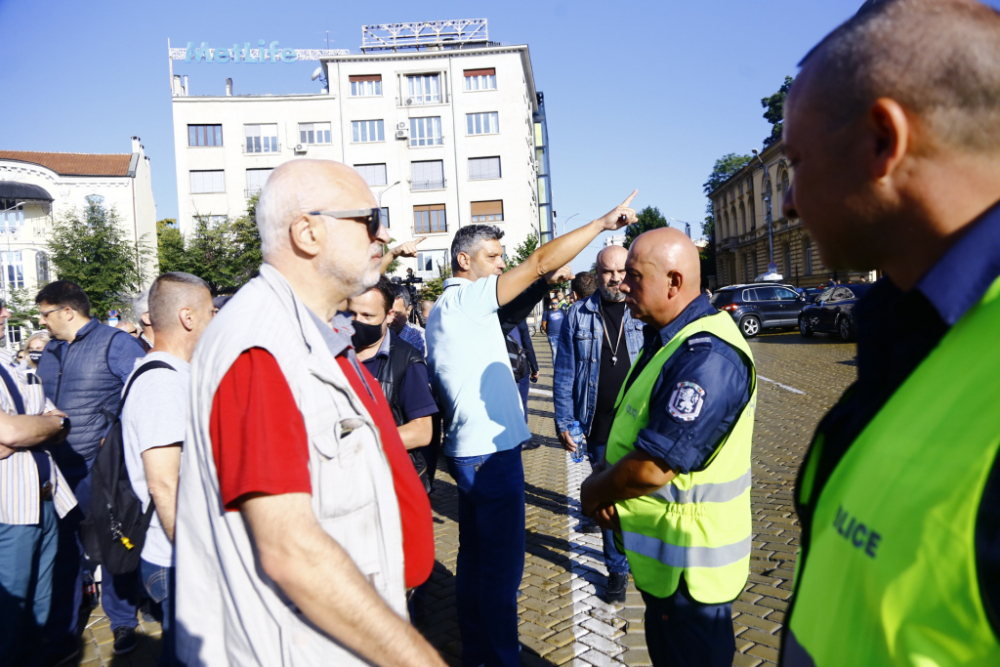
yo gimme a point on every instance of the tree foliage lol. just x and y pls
(435, 286)
(523, 251)
(23, 309)
(774, 111)
(224, 254)
(649, 218)
(89, 248)
(724, 168)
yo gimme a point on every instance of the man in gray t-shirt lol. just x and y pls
(153, 421)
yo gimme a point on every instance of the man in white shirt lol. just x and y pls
(154, 418)
(484, 424)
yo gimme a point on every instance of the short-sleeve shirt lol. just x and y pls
(154, 415)
(470, 369)
(554, 320)
(260, 445)
(414, 393)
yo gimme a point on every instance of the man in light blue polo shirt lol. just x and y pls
(484, 424)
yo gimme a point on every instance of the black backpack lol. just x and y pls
(115, 528)
(518, 359)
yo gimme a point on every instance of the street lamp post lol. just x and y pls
(767, 211)
(386, 190)
(565, 221)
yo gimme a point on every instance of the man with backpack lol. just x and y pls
(83, 370)
(154, 417)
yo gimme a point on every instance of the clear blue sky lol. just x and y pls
(639, 94)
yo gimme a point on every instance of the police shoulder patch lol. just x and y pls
(686, 401)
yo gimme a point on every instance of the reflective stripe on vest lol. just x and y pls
(889, 576)
(699, 524)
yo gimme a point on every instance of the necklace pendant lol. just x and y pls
(614, 359)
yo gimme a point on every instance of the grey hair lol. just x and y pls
(140, 304)
(467, 239)
(937, 58)
(164, 301)
(274, 207)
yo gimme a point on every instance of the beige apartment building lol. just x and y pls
(445, 125)
(742, 206)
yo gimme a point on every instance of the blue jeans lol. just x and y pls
(614, 559)
(491, 545)
(27, 554)
(684, 632)
(117, 592)
(554, 346)
(159, 584)
(522, 388)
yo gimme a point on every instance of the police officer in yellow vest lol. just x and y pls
(893, 126)
(677, 487)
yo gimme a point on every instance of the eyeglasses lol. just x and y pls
(46, 313)
(372, 217)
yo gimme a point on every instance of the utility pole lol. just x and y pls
(767, 209)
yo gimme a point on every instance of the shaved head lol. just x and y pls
(172, 292)
(612, 255)
(663, 275)
(611, 273)
(939, 59)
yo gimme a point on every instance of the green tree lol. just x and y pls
(212, 254)
(774, 111)
(170, 246)
(724, 168)
(246, 238)
(435, 286)
(523, 251)
(89, 247)
(23, 309)
(649, 218)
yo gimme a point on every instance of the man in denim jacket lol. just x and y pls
(598, 343)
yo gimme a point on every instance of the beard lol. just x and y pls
(610, 292)
(355, 282)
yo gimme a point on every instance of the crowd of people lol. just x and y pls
(283, 447)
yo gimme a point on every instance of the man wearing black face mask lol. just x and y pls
(398, 366)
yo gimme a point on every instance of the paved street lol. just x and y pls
(563, 620)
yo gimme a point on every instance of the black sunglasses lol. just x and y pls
(372, 217)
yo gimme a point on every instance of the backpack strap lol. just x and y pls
(148, 366)
(13, 390)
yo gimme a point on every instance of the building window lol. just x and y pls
(314, 133)
(13, 269)
(211, 221)
(385, 217)
(208, 181)
(42, 267)
(423, 89)
(429, 219)
(14, 335)
(430, 263)
(788, 261)
(261, 138)
(255, 180)
(426, 131)
(427, 175)
(11, 219)
(487, 211)
(484, 168)
(743, 218)
(374, 174)
(481, 79)
(807, 254)
(366, 131)
(204, 135)
(367, 85)
(483, 123)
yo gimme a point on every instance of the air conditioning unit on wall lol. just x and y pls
(403, 134)
(300, 148)
(401, 126)
(409, 101)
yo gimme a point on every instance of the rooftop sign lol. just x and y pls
(453, 33)
(245, 54)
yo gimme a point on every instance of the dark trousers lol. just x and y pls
(159, 584)
(491, 544)
(522, 388)
(27, 554)
(682, 632)
(117, 592)
(614, 559)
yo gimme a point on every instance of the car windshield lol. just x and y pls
(720, 299)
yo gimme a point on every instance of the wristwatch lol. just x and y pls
(64, 423)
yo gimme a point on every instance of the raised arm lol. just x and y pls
(322, 580)
(561, 250)
(408, 249)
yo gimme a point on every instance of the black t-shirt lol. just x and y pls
(610, 376)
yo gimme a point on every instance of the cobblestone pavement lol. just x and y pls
(563, 619)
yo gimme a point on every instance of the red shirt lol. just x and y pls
(260, 445)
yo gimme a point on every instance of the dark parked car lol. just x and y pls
(756, 307)
(833, 311)
(811, 293)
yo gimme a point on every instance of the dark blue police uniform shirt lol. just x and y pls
(702, 389)
(896, 331)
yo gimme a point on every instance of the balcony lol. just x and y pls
(436, 184)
